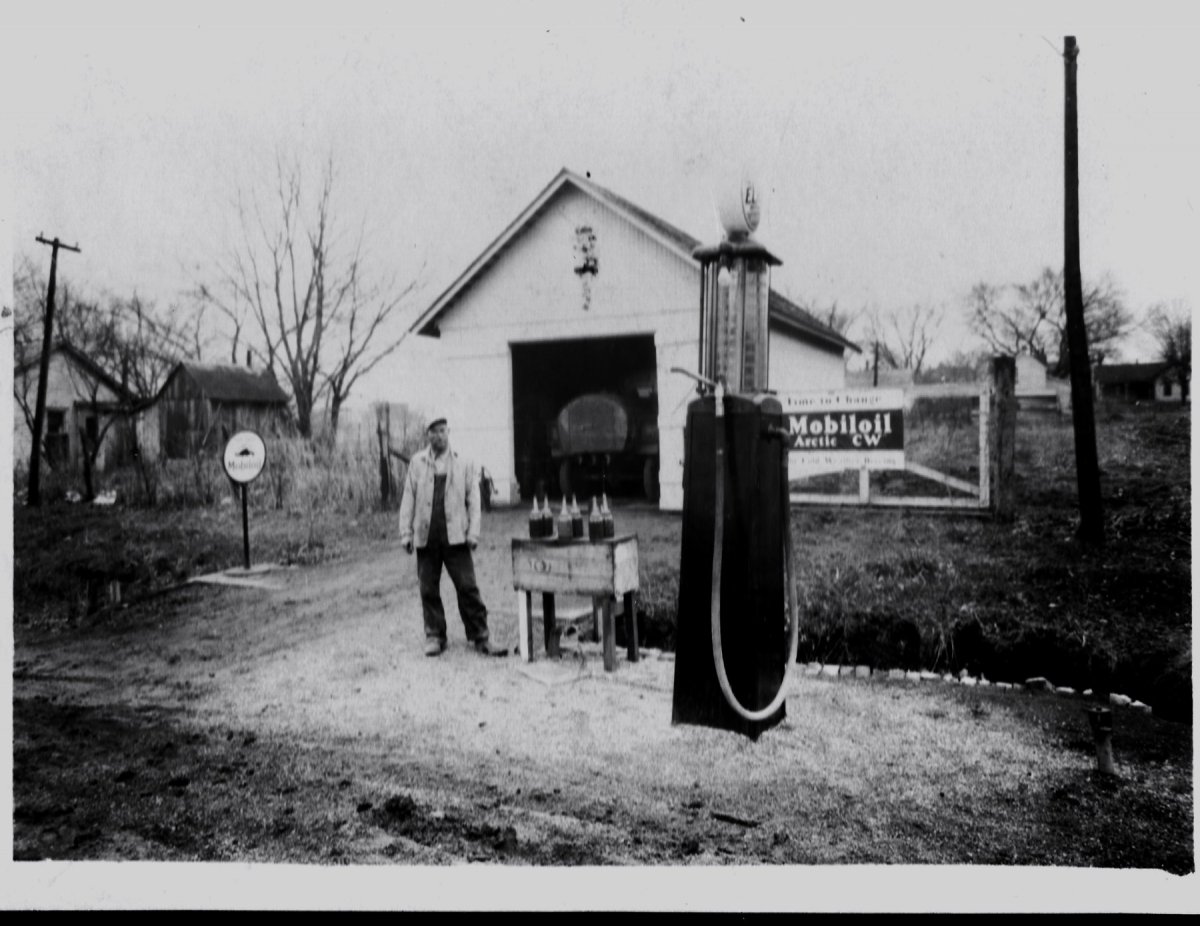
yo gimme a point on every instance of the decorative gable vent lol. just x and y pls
(587, 265)
(586, 261)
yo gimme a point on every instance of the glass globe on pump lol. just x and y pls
(735, 288)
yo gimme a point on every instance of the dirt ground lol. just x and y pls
(305, 725)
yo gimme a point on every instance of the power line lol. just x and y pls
(1057, 51)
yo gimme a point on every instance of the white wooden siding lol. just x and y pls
(67, 385)
(799, 367)
(1031, 375)
(531, 293)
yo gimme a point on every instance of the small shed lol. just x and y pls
(200, 406)
(1139, 382)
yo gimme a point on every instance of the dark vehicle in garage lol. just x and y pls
(602, 441)
(585, 417)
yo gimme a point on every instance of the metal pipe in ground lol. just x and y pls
(1100, 719)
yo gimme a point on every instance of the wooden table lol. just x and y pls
(603, 570)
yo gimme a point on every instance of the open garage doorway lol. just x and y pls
(585, 417)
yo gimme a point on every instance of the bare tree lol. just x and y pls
(904, 336)
(1171, 327)
(358, 329)
(840, 320)
(141, 352)
(225, 297)
(142, 346)
(73, 318)
(103, 408)
(1031, 317)
(304, 295)
(29, 294)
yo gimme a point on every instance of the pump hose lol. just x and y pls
(718, 545)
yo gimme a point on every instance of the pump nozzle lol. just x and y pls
(701, 381)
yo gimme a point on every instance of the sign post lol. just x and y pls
(244, 457)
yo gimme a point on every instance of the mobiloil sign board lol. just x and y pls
(848, 429)
(244, 456)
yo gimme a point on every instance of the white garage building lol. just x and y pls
(586, 292)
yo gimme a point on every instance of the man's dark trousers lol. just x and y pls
(458, 562)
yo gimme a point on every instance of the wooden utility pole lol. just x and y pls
(1002, 437)
(385, 442)
(1087, 467)
(39, 412)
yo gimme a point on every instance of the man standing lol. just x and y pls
(439, 515)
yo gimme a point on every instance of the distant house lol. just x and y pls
(887, 379)
(1138, 382)
(200, 406)
(83, 402)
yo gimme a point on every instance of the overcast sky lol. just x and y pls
(900, 162)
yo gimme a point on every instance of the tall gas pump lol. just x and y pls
(734, 636)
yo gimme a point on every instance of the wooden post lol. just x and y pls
(525, 624)
(1002, 436)
(1087, 467)
(610, 642)
(985, 485)
(245, 529)
(864, 486)
(388, 456)
(383, 431)
(1100, 720)
(549, 627)
(631, 628)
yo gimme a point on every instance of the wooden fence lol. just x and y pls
(990, 406)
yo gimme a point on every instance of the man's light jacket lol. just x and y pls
(462, 500)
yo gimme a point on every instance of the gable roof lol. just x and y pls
(782, 312)
(85, 363)
(1114, 373)
(226, 383)
(789, 316)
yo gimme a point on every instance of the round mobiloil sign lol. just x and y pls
(245, 455)
(738, 208)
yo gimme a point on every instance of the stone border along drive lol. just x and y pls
(818, 670)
